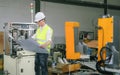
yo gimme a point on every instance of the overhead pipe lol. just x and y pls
(84, 3)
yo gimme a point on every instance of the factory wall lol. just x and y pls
(57, 14)
(14, 11)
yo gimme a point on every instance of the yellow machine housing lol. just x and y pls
(105, 33)
(70, 40)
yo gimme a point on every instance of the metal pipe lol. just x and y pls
(31, 8)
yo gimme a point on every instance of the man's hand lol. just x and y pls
(43, 46)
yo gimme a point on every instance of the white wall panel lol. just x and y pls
(14, 11)
(57, 14)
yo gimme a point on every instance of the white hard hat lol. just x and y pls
(39, 16)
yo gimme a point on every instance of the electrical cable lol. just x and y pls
(101, 64)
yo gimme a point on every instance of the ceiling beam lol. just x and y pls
(85, 3)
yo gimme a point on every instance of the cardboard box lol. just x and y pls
(68, 67)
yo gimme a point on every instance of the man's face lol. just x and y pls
(41, 23)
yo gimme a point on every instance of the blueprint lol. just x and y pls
(31, 45)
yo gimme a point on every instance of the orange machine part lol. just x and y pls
(70, 47)
(105, 33)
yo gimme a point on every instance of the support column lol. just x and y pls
(37, 6)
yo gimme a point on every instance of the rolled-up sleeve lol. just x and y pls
(49, 35)
(33, 36)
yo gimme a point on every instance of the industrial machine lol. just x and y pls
(73, 52)
(71, 31)
(108, 46)
(17, 60)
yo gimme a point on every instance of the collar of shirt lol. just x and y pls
(42, 27)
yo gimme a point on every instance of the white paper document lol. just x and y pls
(31, 45)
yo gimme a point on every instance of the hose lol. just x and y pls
(100, 65)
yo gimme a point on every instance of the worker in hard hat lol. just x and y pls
(44, 38)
